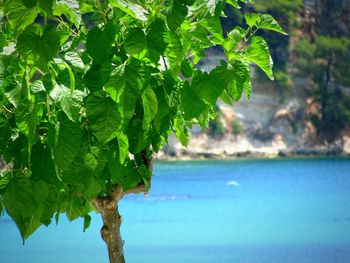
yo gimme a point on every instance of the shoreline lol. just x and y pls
(249, 155)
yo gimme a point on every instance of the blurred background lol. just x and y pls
(306, 110)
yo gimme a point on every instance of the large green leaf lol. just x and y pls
(258, 53)
(213, 25)
(27, 119)
(263, 21)
(68, 137)
(38, 44)
(74, 59)
(104, 116)
(177, 15)
(97, 76)
(123, 145)
(124, 174)
(181, 131)
(42, 163)
(136, 77)
(174, 51)
(155, 38)
(191, 102)
(135, 40)
(252, 19)
(239, 79)
(268, 22)
(150, 107)
(99, 43)
(19, 15)
(95, 159)
(210, 86)
(21, 205)
(5, 133)
(71, 103)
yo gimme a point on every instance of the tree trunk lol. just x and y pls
(110, 231)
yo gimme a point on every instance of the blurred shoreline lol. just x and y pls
(258, 153)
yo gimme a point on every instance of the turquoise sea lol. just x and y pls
(247, 211)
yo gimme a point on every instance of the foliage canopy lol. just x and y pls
(89, 90)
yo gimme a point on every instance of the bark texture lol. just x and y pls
(110, 231)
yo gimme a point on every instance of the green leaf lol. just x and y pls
(42, 164)
(233, 3)
(155, 38)
(68, 139)
(192, 104)
(21, 205)
(37, 87)
(72, 103)
(95, 159)
(103, 115)
(213, 25)
(263, 21)
(20, 16)
(124, 174)
(87, 221)
(27, 119)
(99, 43)
(5, 133)
(150, 107)
(258, 53)
(135, 41)
(210, 86)
(268, 22)
(186, 69)
(74, 59)
(239, 79)
(76, 207)
(46, 5)
(177, 15)
(136, 77)
(252, 19)
(70, 9)
(174, 51)
(123, 144)
(4, 178)
(38, 45)
(134, 10)
(181, 131)
(97, 76)
(233, 38)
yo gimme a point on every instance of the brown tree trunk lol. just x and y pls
(110, 231)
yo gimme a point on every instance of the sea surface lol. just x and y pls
(247, 211)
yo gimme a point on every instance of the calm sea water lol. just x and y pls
(265, 211)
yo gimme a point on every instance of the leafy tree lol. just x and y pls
(323, 62)
(91, 89)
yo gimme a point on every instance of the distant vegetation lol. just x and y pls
(323, 61)
(313, 50)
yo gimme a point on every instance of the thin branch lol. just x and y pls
(138, 189)
(165, 64)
